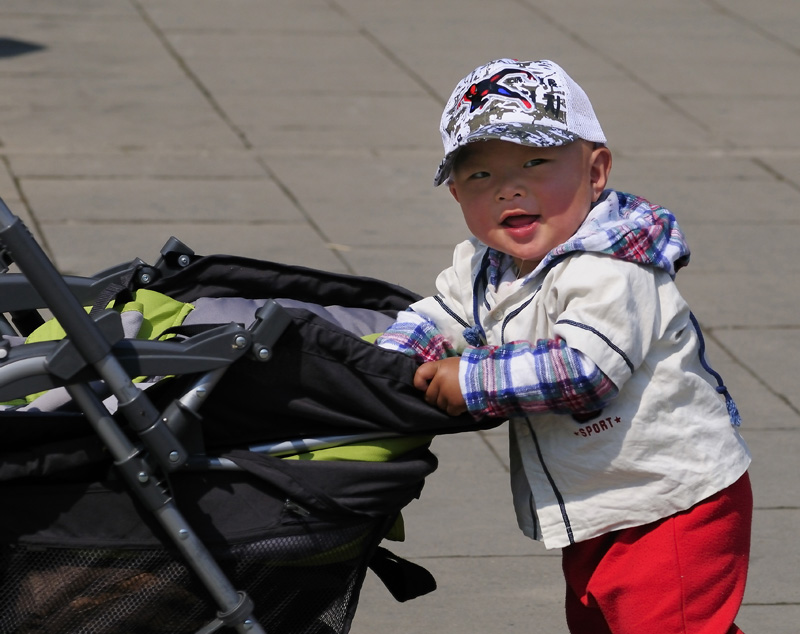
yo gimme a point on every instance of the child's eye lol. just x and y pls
(477, 175)
(534, 162)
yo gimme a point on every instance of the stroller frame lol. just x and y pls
(95, 348)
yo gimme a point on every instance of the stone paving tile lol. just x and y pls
(248, 16)
(221, 201)
(218, 165)
(451, 609)
(768, 353)
(121, 242)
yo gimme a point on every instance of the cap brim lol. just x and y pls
(510, 132)
(443, 173)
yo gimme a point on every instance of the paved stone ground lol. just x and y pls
(305, 131)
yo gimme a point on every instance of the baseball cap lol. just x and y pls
(530, 103)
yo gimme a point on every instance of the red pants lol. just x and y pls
(681, 575)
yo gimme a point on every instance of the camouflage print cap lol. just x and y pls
(530, 103)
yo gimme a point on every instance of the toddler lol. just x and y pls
(561, 314)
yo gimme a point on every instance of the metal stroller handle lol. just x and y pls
(236, 606)
(88, 339)
(96, 350)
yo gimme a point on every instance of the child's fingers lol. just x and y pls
(424, 375)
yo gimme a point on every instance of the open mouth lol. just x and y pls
(519, 221)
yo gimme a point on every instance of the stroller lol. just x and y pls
(214, 445)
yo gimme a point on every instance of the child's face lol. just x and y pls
(525, 201)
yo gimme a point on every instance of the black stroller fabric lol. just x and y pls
(330, 380)
(79, 554)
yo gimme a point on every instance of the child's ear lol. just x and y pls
(599, 169)
(453, 190)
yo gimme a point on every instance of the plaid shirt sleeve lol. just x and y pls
(416, 336)
(523, 378)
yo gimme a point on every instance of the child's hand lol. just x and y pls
(439, 381)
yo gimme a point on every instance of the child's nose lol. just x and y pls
(511, 188)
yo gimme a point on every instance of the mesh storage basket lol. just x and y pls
(301, 584)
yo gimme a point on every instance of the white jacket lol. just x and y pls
(664, 444)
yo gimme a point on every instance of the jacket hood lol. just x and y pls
(629, 228)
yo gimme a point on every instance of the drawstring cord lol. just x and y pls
(733, 411)
(474, 336)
